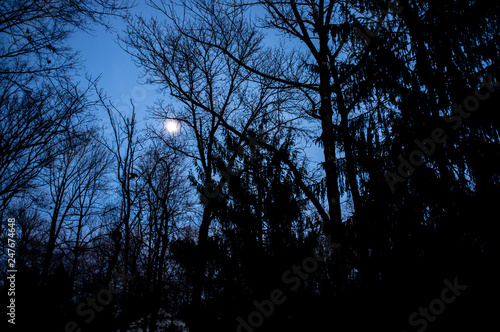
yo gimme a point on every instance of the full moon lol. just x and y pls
(172, 126)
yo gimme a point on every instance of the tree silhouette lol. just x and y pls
(208, 220)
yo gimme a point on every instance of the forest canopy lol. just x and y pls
(214, 214)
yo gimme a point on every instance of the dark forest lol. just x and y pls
(215, 214)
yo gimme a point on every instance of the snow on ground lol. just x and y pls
(165, 324)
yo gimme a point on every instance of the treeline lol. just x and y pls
(216, 224)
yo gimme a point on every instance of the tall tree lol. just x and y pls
(71, 177)
(211, 91)
(166, 206)
(39, 98)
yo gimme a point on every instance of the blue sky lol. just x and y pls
(120, 78)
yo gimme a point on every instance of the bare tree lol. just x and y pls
(212, 90)
(88, 206)
(123, 146)
(34, 34)
(166, 204)
(33, 126)
(38, 98)
(317, 72)
(72, 180)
